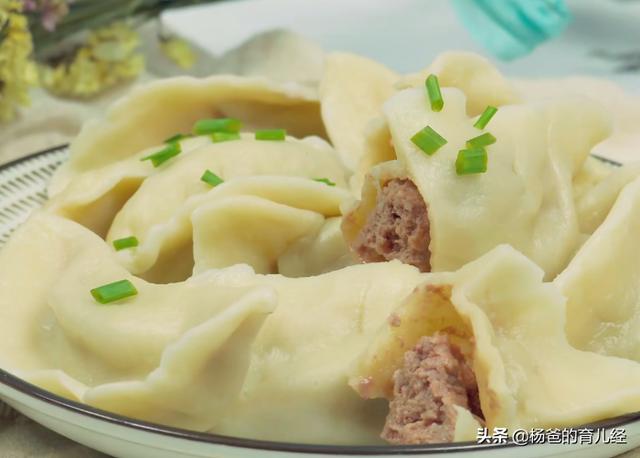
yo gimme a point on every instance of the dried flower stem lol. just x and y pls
(91, 15)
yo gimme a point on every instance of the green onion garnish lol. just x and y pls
(162, 156)
(433, 90)
(481, 141)
(471, 161)
(176, 138)
(211, 178)
(209, 126)
(485, 117)
(114, 292)
(271, 134)
(218, 137)
(123, 244)
(428, 140)
(326, 181)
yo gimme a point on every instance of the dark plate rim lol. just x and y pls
(15, 162)
(52, 399)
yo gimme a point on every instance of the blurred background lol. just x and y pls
(63, 61)
(602, 38)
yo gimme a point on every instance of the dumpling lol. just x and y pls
(131, 198)
(160, 212)
(93, 198)
(511, 326)
(258, 231)
(474, 75)
(624, 108)
(592, 173)
(219, 352)
(318, 253)
(352, 91)
(484, 85)
(602, 283)
(162, 193)
(297, 383)
(480, 81)
(525, 198)
(594, 203)
(163, 351)
(160, 109)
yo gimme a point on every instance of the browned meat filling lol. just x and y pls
(435, 377)
(398, 228)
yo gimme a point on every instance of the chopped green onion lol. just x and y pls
(123, 244)
(209, 126)
(471, 161)
(218, 137)
(428, 140)
(485, 117)
(177, 138)
(114, 292)
(162, 156)
(271, 134)
(433, 90)
(326, 181)
(211, 178)
(481, 141)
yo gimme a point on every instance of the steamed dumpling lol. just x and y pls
(165, 347)
(258, 231)
(157, 205)
(352, 92)
(220, 351)
(525, 198)
(512, 326)
(162, 194)
(602, 283)
(159, 110)
(471, 73)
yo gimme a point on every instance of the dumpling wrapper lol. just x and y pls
(159, 212)
(158, 110)
(132, 198)
(250, 230)
(512, 324)
(163, 193)
(167, 250)
(378, 149)
(297, 383)
(158, 356)
(352, 91)
(222, 351)
(484, 85)
(593, 172)
(594, 204)
(527, 185)
(318, 253)
(602, 283)
(93, 198)
(473, 74)
(624, 108)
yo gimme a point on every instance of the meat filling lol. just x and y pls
(435, 377)
(398, 228)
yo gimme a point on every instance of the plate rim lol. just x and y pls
(17, 161)
(39, 394)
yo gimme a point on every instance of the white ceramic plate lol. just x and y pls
(23, 189)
